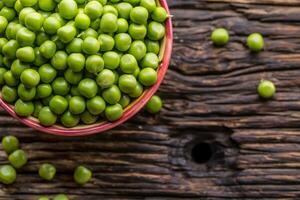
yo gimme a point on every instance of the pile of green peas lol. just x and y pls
(78, 61)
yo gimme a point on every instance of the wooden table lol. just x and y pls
(214, 139)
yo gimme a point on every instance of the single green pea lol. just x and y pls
(3, 41)
(220, 36)
(113, 112)
(139, 15)
(150, 5)
(23, 14)
(150, 60)
(128, 64)
(9, 94)
(8, 174)
(156, 31)
(67, 9)
(9, 79)
(127, 83)
(94, 64)
(106, 78)
(28, 3)
(60, 197)
(10, 48)
(77, 105)
(47, 73)
(2, 72)
(18, 158)
(10, 143)
(88, 88)
(112, 95)
(30, 78)
(82, 21)
(90, 45)
(154, 105)
(69, 120)
(76, 62)
(41, 38)
(48, 49)
(138, 91)
(43, 90)
(96, 105)
(46, 118)
(58, 104)
(73, 77)
(47, 171)
(152, 46)
(59, 18)
(66, 33)
(133, 2)
(122, 25)
(107, 42)
(37, 108)
(82, 175)
(110, 9)
(109, 23)
(25, 37)
(159, 14)
(123, 41)
(138, 49)
(74, 46)
(87, 118)
(266, 89)
(93, 9)
(60, 86)
(3, 24)
(255, 42)
(59, 60)
(148, 76)
(25, 54)
(88, 33)
(137, 31)
(34, 21)
(124, 101)
(18, 6)
(8, 13)
(124, 9)
(26, 94)
(39, 59)
(24, 109)
(47, 5)
(51, 25)
(111, 60)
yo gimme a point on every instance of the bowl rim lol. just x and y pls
(133, 109)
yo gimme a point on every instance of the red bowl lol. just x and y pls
(129, 112)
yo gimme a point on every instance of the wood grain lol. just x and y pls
(210, 96)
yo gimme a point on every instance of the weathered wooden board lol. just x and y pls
(210, 102)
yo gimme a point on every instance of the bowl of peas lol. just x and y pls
(80, 67)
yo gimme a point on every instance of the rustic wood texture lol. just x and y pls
(210, 96)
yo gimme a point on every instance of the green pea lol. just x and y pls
(10, 48)
(154, 105)
(23, 14)
(74, 46)
(10, 143)
(60, 86)
(34, 21)
(67, 9)
(66, 33)
(60, 197)
(138, 91)
(12, 30)
(47, 5)
(148, 76)
(25, 37)
(94, 64)
(48, 49)
(47, 73)
(124, 9)
(28, 3)
(47, 117)
(59, 60)
(9, 94)
(82, 21)
(124, 101)
(58, 104)
(90, 45)
(8, 13)
(18, 159)
(26, 94)
(72, 77)
(122, 25)
(111, 60)
(9, 79)
(138, 49)
(152, 46)
(2, 72)
(8, 174)
(41, 38)
(18, 6)
(93, 9)
(25, 54)
(220, 36)
(47, 171)
(69, 120)
(150, 5)
(96, 105)
(159, 14)
(76, 62)
(106, 78)
(255, 42)
(107, 42)
(3, 24)
(51, 25)
(24, 109)
(88, 33)
(266, 89)
(77, 105)
(137, 31)
(123, 41)
(3, 41)
(127, 83)
(30, 78)
(139, 15)
(113, 112)
(82, 175)
(109, 23)
(37, 108)
(156, 31)
(44, 90)
(150, 60)
(88, 88)
(110, 9)
(87, 118)
(112, 95)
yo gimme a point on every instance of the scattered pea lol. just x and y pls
(154, 105)
(266, 89)
(10, 143)
(82, 175)
(18, 158)
(47, 171)
(220, 36)
(255, 42)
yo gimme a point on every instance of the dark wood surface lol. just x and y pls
(210, 102)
